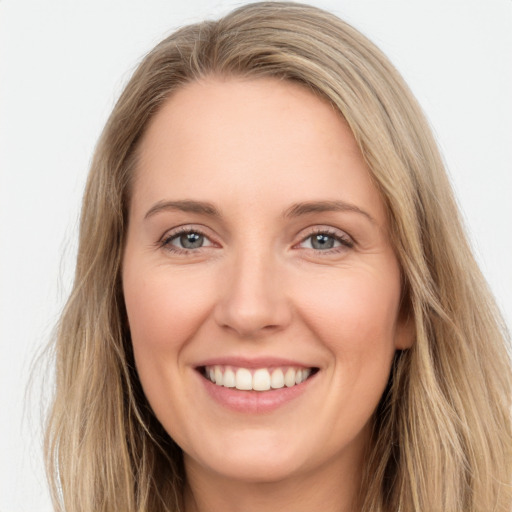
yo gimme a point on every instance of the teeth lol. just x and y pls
(218, 375)
(243, 379)
(289, 378)
(229, 380)
(260, 379)
(277, 379)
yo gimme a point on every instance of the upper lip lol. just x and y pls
(253, 362)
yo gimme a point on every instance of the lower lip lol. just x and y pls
(255, 402)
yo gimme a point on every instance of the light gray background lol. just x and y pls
(64, 62)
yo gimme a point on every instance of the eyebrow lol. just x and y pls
(305, 208)
(186, 205)
(295, 210)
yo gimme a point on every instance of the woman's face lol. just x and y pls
(258, 256)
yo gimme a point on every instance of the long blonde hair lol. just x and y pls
(442, 432)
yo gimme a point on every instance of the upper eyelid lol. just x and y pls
(186, 228)
(329, 230)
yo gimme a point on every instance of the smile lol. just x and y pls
(256, 379)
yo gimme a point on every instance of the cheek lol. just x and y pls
(357, 312)
(163, 311)
(355, 319)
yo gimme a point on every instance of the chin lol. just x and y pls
(256, 460)
(254, 471)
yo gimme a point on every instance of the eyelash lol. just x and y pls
(344, 240)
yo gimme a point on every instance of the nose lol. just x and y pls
(253, 300)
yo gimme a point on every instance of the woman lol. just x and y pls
(275, 306)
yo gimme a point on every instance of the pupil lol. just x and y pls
(191, 240)
(322, 242)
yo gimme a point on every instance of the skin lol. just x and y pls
(257, 287)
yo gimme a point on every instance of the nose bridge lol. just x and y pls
(253, 299)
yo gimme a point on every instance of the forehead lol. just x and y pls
(255, 140)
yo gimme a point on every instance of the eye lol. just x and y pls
(326, 240)
(186, 240)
